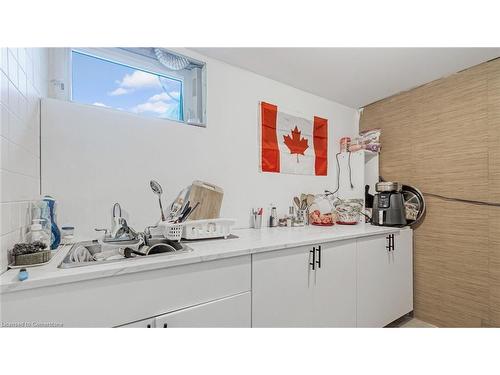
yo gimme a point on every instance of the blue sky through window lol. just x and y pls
(108, 84)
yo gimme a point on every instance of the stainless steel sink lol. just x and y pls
(89, 253)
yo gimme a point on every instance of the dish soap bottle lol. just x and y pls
(37, 233)
(56, 233)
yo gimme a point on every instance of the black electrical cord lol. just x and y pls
(338, 174)
(328, 192)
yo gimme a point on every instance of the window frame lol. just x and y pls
(112, 57)
(61, 71)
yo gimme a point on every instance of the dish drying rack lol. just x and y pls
(197, 229)
(171, 231)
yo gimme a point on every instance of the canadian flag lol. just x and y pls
(291, 144)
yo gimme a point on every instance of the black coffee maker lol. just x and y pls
(388, 205)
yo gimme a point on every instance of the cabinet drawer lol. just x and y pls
(231, 311)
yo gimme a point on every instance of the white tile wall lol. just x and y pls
(23, 80)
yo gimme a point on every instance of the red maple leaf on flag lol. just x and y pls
(295, 144)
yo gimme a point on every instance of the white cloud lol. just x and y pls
(99, 104)
(139, 79)
(119, 91)
(165, 96)
(159, 107)
(158, 97)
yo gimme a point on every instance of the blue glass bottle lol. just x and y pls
(56, 233)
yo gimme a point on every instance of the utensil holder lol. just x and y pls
(303, 216)
(257, 221)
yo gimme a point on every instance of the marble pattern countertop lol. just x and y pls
(249, 241)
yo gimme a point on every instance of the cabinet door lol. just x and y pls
(402, 257)
(146, 323)
(334, 302)
(282, 288)
(232, 311)
(384, 280)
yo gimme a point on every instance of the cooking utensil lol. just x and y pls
(190, 212)
(296, 200)
(184, 215)
(310, 200)
(414, 205)
(178, 203)
(156, 187)
(183, 211)
(303, 205)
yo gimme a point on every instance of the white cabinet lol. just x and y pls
(366, 282)
(334, 293)
(384, 278)
(129, 297)
(282, 288)
(305, 286)
(232, 311)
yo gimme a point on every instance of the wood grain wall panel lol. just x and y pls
(450, 136)
(494, 129)
(494, 188)
(458, 258)
(444, 138)
(397, 126)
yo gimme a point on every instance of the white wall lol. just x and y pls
(23, 79)
(93, 157)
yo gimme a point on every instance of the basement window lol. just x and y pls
(152, 82)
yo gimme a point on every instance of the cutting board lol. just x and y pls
(210, 198)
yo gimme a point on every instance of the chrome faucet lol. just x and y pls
(121, 230)
(147, 231)
(126, 231)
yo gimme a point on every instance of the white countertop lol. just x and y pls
(250, 241)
